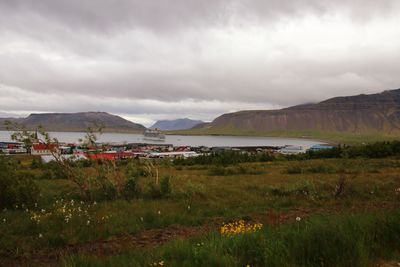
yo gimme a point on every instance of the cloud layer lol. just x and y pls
(149, 60)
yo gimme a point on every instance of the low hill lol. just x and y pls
(178, 124)
(77, 122)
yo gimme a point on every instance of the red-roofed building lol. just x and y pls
(110, 156)
(43, 149)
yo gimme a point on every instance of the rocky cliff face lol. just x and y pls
(79, 122)
(359, 114)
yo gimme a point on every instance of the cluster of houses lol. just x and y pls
(111, 151)
(117, 151)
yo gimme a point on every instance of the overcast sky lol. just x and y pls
(158, 59)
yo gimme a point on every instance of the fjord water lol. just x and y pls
(181, 140)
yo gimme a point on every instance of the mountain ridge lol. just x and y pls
(177, 124)
(363, 113)
(79, 121)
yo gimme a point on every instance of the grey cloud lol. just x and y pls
(149, 58)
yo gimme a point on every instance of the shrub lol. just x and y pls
(131, 188)
(109, 191)
(16, 189)
(36, 163)
(154, 191)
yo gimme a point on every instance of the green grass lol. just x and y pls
(346, 240)
(201, 195)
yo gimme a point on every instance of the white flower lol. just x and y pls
(95, 203)
(159, 212)
(188, 207)
(88, 222)
(298, 219)
(4, 220)
(40, 235)
(141, 218)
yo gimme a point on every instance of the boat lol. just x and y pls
(153, 135)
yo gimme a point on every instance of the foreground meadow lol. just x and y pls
(281, 212)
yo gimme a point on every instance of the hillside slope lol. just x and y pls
(78, 122)
(356, 114)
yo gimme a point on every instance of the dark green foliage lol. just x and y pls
(374, 150)
(153, 191)
(219, 170)
(224, 158)
(161, 190)
(36, 163)
(16, 189)
(131, 188)
(52, 170)
(108, 191)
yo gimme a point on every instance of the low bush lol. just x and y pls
(16, 189)
(131, 188)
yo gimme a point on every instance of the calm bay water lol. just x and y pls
(181, 140)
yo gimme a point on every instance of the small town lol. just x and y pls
(120, 151)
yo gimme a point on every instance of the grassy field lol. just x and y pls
(335, 137)
(321, 212)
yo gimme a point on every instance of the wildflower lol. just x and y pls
(239, 227)
(298, 219)
(141, 218)
(159, 212)
(94, 203)
(40, 235)
(188, 207)
(35, 205)
(43, 210)
(161, 263)
(88, 222)
(4, 220)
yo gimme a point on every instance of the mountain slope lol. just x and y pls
(355, 114)
(178, 124)
(78, 122)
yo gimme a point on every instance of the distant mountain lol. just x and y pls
(77, 122)
(356, 114)
(178, 124)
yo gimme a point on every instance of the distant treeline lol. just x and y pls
(374, 150)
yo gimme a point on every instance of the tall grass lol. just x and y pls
(319, 241)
